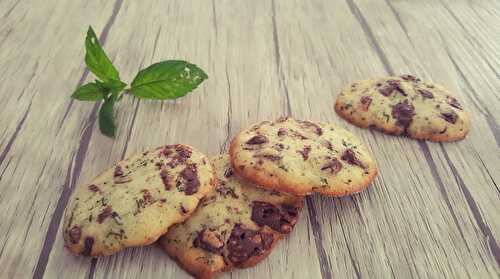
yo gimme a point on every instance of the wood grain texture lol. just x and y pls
(433, 212)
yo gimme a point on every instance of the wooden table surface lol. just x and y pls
(433, 212)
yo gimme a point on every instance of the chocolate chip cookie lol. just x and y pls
(236, 225)
(302, 157)
(404, 105)
(136, 201)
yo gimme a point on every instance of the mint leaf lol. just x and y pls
(167, 80)
(89, 92)
(97, 60)
(107, 117)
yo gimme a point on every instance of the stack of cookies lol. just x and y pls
(230, 211)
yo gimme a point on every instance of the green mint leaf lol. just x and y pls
(114, 86)
(97, 60)
(89, 92)
(107, 117)
(167, 80)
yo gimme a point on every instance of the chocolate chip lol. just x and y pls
(225, 190)
(208, 241)
(74, 234)
(305, 152)
(243, 244)
(426, 93)
(350, 157)
(228, 172)
(396, 85)
(189, 175)
(147, 197)
(453, 102)
(118, 171)
(390, 87)
(165, 178)
(104, 214)
(94, 188)
(282, 132)
(317, 129)
(183, 209)
(365, 102)
(327, 144)
(183, 151)
(87, 246)
(258, 139)
(410, 78)
(450, 117)
(269, 157)
(333, 165)
(299, 135)
(403, 113)
(266, 214)
(386, 90)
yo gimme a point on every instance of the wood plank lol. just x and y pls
(402, 255)
(240, 90)
(432, 212)
(39, 159)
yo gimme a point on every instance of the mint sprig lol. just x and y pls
(161, 81)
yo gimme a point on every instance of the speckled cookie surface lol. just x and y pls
(236, 225)
(404, 105)
(137, 200)
(302, 157)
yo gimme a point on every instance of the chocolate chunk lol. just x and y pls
(166, 179)
(147, 197)
(396, 85)
(74, 234)
(278, 146)
(365, 102)
(403, 113)
(333, 165)
(327, 144)
(305, 152)
(189, 175)
(453, 102)
(350, 157)
(183, 209)
(243, 244)
(410, 78)
(87, 246)
(386, 90)
(104, 214)
(183, 151)
(258, 139)
(224, 190)
(299, 135)
(426, 93)
(266, 214)
(94, 188)
(450, 117)
(228, 172)
(118, 171)
(167, 151)
(208, 241)
(282, 132)
(269, 157)
(390, 87)
(317, 129)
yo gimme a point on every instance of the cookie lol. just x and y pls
(404, 105)
(302, 157)
(237, 225)
(136, 201)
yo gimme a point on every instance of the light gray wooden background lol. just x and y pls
(433, 212)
